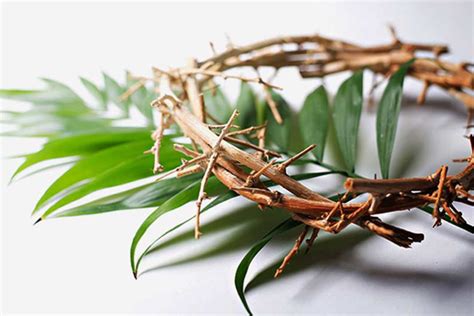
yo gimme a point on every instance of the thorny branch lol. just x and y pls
(207, 173)
(314, 56)
(318, 56)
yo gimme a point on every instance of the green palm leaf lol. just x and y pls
(387, 117)
(279, 134)
(244, 265)
(114, 92)
(149, 195)
(94, 165)
(188, 194)
(218, 200)
(99, 95)
(346, 117)
(314, 121)
(217, 105)
(82, 144)
(124, 172)
(142, 99)
(246, 105)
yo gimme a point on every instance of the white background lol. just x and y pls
(81, 264)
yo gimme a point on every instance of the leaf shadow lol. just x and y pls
(408, 151)
(252, 223)
(438, 284)
(436, 103)
(326, 251)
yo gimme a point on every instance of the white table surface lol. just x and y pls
(81, 265)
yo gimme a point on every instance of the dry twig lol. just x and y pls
(314, 56)
(207, 173)
(292, 252)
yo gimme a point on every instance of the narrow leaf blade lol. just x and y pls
(99, 95)
(125, 172)
(81, 144)
(93, 166)
(218, 200)
(387, 117)
(217, 105)
(221, 199)
(244, 265)
(114, 92)
(246, 105)
(188, 194)
(346, 117)
(142, 99)
(148, 195)
(314, 121)
(279, 134)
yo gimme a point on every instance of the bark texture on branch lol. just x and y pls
(318, 56)
(314, 56)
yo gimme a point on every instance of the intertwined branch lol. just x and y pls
(318, 56)
(314, 56)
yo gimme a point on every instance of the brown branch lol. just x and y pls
(314, 56)
(401, 237)
(306, 201)
(311, 240)
(253, 178)
(157, 136)
(329, 56)
(282, 166)
(134, 88)
(192, 90)
(292, 252)
(220, 126)
(212, 73)
(245, 143)
(261, 143)
(212, 160)
(247, 130)
(438, 193)
(273, 106)
(188, 171)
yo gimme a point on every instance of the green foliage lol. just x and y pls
(149, 195)
(247, 107)
(217, 105)
(55, 94)
(114, 91)
(188, 194)
(105, 162)
(99, 95)
(91, 166)
(142, 99)
(57, 111)
(82, 144)
(314, 121)
(346, 117)
(104, 154)
(244, 265)
(218, 200)
(279, 134)
(387, 117)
